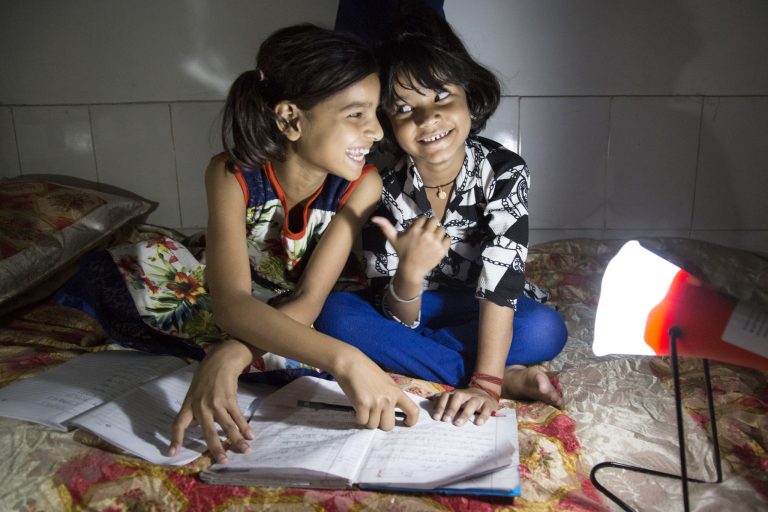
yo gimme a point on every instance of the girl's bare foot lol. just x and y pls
(525, 383)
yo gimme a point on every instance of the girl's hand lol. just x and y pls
(461, 404)
(373, 394)
(212, 398)
(420, 247)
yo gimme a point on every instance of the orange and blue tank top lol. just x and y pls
(166, 278)
(277, 254)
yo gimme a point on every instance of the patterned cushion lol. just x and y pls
(45, 227)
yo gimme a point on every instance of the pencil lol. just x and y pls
(399, 415)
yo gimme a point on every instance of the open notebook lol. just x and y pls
(298, 446)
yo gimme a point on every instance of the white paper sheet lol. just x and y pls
(65, 391)
(140, 422)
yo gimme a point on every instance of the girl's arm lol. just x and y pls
(502, 278)
(211, 397)
(332, 251)
(419, 248)
(494, 340)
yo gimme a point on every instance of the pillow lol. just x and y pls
(46, 226)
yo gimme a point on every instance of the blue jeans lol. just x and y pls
(444, 347)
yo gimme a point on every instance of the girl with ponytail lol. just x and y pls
(286, 199)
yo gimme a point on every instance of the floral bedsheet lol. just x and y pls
(617, 408)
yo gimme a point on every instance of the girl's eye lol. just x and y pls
(403, 109)
(441, 95)
(356, 114)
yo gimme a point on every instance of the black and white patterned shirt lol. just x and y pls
(486, 218)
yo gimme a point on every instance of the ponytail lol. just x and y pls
(249, 128)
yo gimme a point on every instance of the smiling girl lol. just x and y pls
(446, 255)
(285, 202)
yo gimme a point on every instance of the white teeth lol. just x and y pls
(358, 153)
(434, 137)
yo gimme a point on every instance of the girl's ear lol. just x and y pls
(289, 124)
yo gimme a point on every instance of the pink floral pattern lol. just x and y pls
(75, 471)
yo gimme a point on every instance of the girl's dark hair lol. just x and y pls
(423, 51)
(304, 64)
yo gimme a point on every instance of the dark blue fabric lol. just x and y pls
(368, 19)
(443, 348)
(98, 290)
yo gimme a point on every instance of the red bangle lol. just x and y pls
(477, 377)
(496, 396)
(487, 378)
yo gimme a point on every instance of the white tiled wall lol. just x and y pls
(608, 47)
(732, 189)
(636, 118)
(196, 136)
(55, 140)
(134, 151)
(626, 167)
(9, 157)
(504, 126)
(115, 51)
(652, 162)
(567, 161)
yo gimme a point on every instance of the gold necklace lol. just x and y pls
(441, 194)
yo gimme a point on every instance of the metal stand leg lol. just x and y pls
(674, 334)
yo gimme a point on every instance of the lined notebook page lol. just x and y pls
(140, 422)
(304, 447)
(434, 454)
(505, 479)
(65, 391)
(299, 446)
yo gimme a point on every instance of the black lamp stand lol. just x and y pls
(674, 334)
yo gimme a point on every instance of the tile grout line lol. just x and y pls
(93, 147)
(16, 140)
(175, 164)
(696, 168)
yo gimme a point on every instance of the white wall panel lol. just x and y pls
(196, 138)
(564, 141)
(55, 140)
(114, 51)
(732, 184)
(604, 100)
(134, 151)
(607, 47)
(9, 156)
(652, 162)
(504, 125)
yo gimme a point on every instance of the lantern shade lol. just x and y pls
(643, 296)
(635, 281)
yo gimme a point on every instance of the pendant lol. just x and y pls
(441, 193)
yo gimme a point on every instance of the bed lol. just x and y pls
(617, 408)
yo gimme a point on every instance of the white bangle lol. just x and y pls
(389, 314)
(399, 299)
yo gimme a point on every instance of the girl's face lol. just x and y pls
(432, 126)
(338, 133)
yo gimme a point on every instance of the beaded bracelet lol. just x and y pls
(399, 299)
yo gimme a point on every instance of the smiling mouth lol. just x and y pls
(358, 154)
(435, 137)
